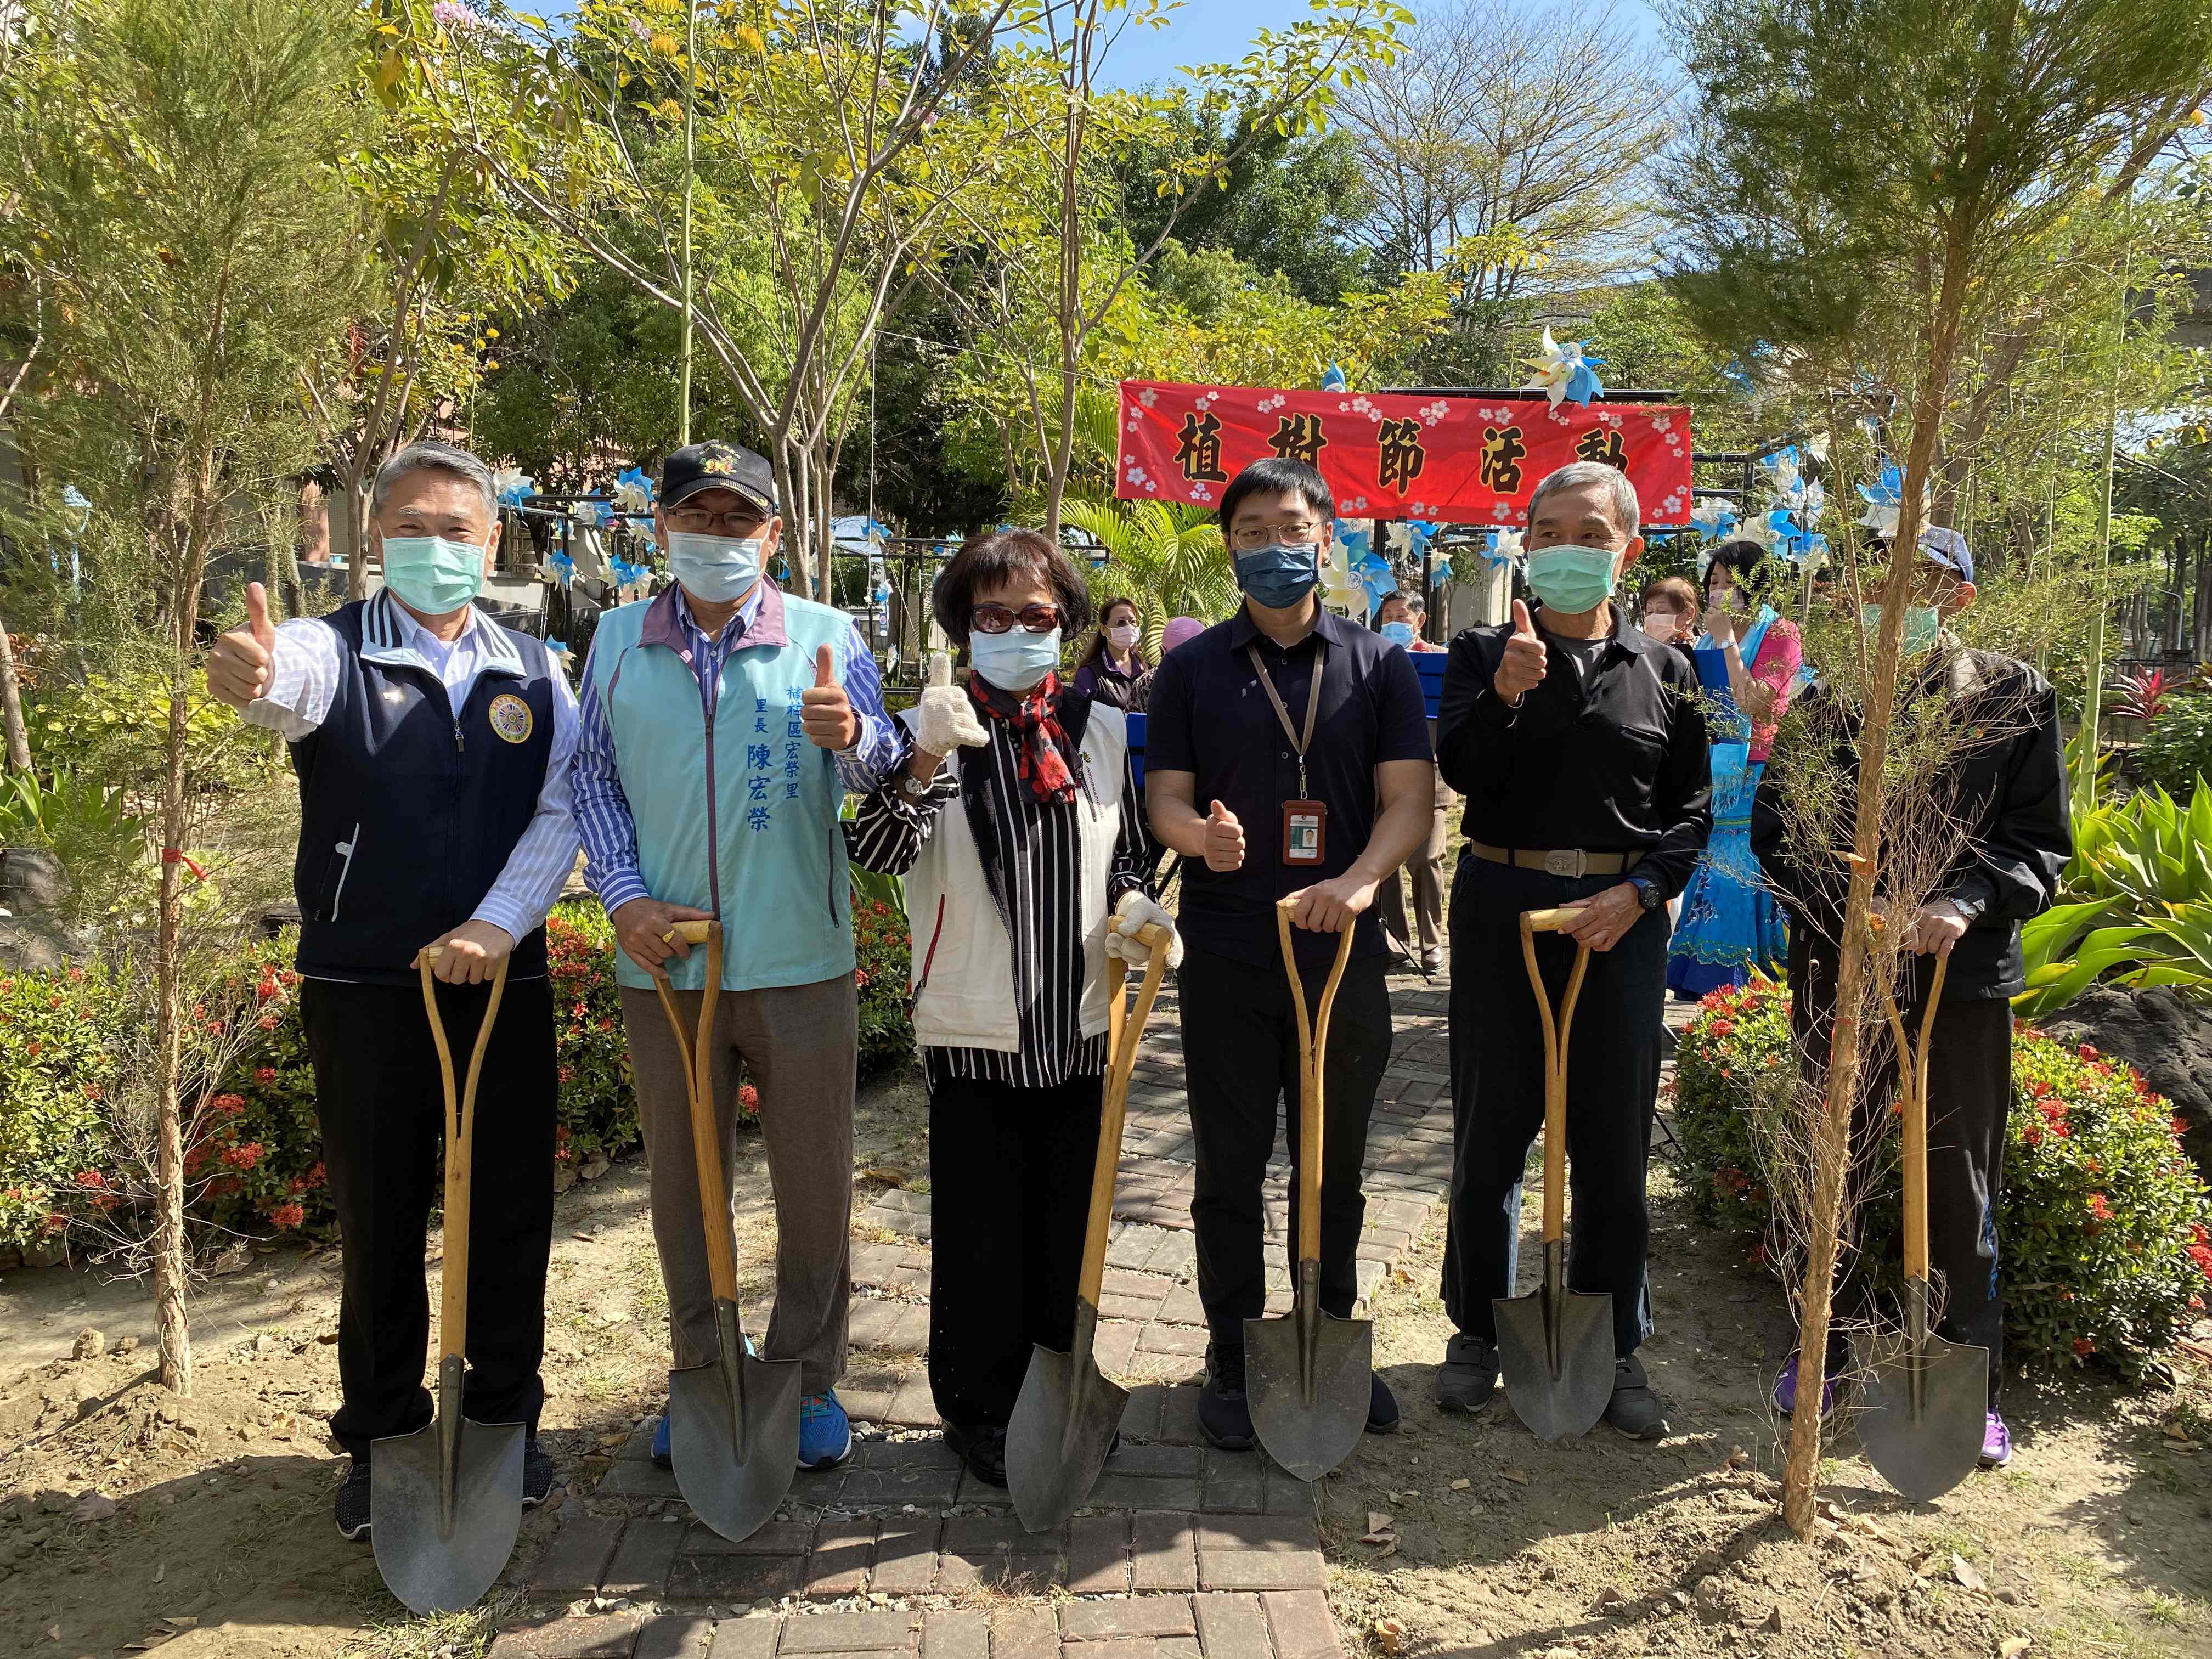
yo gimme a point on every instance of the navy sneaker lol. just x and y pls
(663, 1456)
(540, 1473)
(352, 1501)
(825, 1434)
(1224, 1416)
(1382, 1406)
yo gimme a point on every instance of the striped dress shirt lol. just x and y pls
(303, 677)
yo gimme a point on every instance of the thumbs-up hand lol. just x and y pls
(1521, 668)
(948, 718)
(239, 668)
(824, 711)
(1225, 840)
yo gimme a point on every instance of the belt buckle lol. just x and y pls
(1563, 861)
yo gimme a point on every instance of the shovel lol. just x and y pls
(732, 1422)
(1308, 1374)
(1923, 1401)
(1554, 1344)
(1065, 1416)
(446, 1502)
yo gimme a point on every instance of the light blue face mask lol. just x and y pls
(714, 568)
(431, 574)
(1016, 659)
(1571, 580)
(1399, 634)
(1922, 622)
(1280, 574)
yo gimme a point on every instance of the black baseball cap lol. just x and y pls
(717, 465)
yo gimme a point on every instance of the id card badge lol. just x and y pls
(1305, 832)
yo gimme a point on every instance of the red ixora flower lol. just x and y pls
(228, 1105)
(265, 1075)
(2099, 1208)
(1721, 1027)
(243, 1157)
(2087, 1052)
(288, 1215)
(76, 976)
(749, 1097)
(93, 1091)
(90, 1178)
(2083, 1347)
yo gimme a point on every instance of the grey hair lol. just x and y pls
(1627, 512)
(431, 456)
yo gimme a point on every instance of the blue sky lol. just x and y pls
(1219, 30)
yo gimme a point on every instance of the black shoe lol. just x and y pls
(982, 1449)
(540, 1473)
(1634, 1409)
(352, 1501)
(1223, 1418)
(1382, 1406)
(1468, 1377)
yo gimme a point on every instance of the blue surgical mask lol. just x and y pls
(1571, 580)
(1280, 574)
(431, 574)
(1922, 622)
(1398, 633)
(714, 568)
(1016, 659)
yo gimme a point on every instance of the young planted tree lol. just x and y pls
(1858, 240)
(179, 184)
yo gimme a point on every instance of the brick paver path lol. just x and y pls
(1184, 1552)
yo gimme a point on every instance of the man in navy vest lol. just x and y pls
(433, 748)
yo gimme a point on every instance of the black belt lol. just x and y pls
(1570, 861)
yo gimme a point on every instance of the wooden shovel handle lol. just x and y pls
(1313, 1049)
(1534, 923)
(1126, 1035)
(698, 1053)
(1912, 1089)
(460, 1141)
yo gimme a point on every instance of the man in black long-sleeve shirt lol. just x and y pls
(1580, 746)
(2003, 788)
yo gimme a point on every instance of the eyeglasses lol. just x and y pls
(1302, 532)
(745, 521)
(997, 619)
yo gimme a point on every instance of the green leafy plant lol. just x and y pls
(1167, 557)
(2137, 903)
(2177, 748)
(2103, 1222)
(881, 953)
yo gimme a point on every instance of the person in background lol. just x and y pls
(1400, 622)
(1730, 925)
(1179, 630)
(2003, 786)
(433, 748)
(1016, 824)
(1287, 757)
(1579, 742)
(1667, 610)
(1114, 662)
(723, 723)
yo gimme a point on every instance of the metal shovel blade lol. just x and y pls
(1309, 1379)
(445, 1504)
(734, 1433)
(1555, 1352)
(1063, 1426)
(1923, 1410)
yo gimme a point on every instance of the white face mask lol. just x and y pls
(1123, 636)
(715, 569)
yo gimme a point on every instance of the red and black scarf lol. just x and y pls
(1041, 746)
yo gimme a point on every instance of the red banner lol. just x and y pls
(1451, 460)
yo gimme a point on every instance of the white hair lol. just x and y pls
(431, 456)
(1627, 512)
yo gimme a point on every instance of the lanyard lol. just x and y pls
(1313, 705)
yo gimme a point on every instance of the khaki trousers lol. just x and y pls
(798, 1045)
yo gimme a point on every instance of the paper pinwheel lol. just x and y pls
(564, 568)
(1564, 372)
(1884, 500)
(1504, 548)
(513, 487)
(634, 491)
(1333, 380)
(1714, 516)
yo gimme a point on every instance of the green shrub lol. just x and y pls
(2177, 746)
(2103, 1222)
(56, 1061)
(598, 1110)
(881, 954)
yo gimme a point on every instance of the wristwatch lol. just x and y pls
(1647, 891)
(915, 788)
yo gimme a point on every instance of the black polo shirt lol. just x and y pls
(1609, 754)
(1209, 717)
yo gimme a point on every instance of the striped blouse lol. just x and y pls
(888, 835)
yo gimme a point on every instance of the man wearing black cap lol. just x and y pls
(2001, 788)
(722, 723)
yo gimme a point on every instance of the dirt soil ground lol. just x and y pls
(220, 1546)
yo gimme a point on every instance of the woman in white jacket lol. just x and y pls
(1018, 824)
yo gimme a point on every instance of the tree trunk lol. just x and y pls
(11, 706)
(171, 1261)
(350, 532)
(1831, 1129)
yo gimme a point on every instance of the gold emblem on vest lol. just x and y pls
(510, 717)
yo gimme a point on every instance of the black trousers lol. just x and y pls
(1009, 1173)
(1497, 1095)
(382, 1113)
(1969, 1095)
(1240, 1044)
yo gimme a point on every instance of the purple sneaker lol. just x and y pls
(1996, 1443)
(1785, 1390)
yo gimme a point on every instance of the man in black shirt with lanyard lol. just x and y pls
(1305, 738)
(1580, 746)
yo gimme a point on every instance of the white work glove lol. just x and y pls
(1132, 916)
(949, 719)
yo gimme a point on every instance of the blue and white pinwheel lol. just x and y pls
(1714, 516)
(1564, 372)
(634, 491)
(592, 515)
(1334, 380)
(513, 487)
(563, 566)
(1504, 548)
(1884, 500)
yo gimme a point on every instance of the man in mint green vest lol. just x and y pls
(722, 723)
